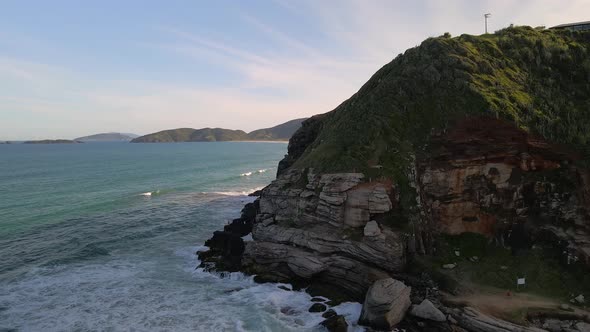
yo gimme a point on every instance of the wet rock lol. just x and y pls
(335, 324)
(372, 229)
(385, 305)
(329, 313)
(318, 299)
(225, 252)
(427, 310)
(318, 307)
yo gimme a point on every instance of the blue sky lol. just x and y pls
(72, 68)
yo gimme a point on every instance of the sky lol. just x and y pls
(74, 68)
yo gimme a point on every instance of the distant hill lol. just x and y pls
(107, 137)
(281, 132)
(52, 141)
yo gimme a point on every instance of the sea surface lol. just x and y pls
(102, 237)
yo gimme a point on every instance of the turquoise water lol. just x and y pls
(102, 236)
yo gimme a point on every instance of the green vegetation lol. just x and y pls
(281, 132)
(497, 267)
(192, 135)
(539, 79)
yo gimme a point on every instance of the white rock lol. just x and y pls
(427, 310)
(372, 229)
(386, 304)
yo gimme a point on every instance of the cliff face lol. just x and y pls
(487, 176)
(310, 227)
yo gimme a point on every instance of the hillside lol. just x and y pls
(280, 132)
(192, 135)
(461, 165)
(107, 137)
(52, 141)
(536, 79)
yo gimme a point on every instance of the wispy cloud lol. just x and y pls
(295, 75)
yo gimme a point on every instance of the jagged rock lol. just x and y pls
(385, 305)
(580, 299)
(225, 252)
(335, 324)
(427, 310)
(317, 307)
(372, 229)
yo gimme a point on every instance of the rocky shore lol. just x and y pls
(385, 202)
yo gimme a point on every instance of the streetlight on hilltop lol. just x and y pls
(486, 16)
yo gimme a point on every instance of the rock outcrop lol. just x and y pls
(311, 228)
(386, 304)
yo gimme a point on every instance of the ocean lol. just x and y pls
(102, 237)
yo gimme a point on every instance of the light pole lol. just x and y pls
(486, 16)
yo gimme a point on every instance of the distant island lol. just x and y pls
(280, 132)
(52, 141)
(107, 137)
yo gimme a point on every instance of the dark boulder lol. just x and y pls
(335, 324)
(318, 307)
(225, 252)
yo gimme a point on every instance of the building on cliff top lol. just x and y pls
(579, 26)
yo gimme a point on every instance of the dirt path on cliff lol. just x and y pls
(509, 306)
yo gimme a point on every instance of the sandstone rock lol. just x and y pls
(385, 305)
(427, 310)
(372, 229)
(583, 327)
(335, 324)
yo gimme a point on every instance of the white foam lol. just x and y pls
(351, 312)
(235, 193)
(149, 193)
(246, 174)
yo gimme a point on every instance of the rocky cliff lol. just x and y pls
(470, 135)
